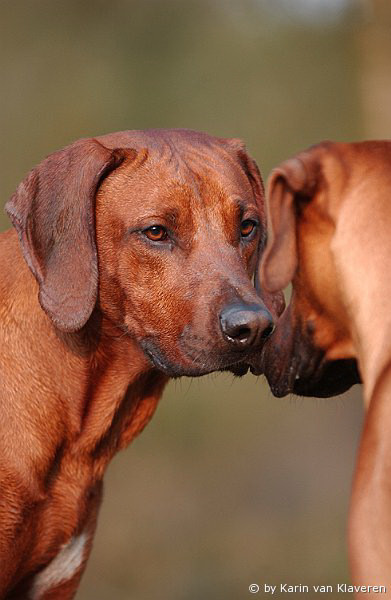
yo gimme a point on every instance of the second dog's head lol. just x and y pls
(311, 350)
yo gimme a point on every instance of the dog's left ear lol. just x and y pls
(294, 180)
(253, 173)
(53, 211)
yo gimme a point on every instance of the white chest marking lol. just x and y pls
(61, 568)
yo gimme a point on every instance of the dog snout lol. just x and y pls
(245, 325)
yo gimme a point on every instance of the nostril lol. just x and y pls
(242, 334)
(267, 331)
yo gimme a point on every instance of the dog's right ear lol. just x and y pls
(53, 211)
(294, 179)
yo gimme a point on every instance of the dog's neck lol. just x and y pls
(365, 283)
(120, 389)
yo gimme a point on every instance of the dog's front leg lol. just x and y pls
(370, 510)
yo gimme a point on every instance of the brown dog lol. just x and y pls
(330, 235)
(139, 247)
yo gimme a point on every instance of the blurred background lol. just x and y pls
(227, 486)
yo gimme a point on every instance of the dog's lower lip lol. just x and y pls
(236, 367)
(255, 370)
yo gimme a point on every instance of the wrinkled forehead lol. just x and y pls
(199, 178)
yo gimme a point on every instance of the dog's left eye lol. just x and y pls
(247, 227)
(156, 233)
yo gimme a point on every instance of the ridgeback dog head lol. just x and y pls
(310, 351)
(158, 232)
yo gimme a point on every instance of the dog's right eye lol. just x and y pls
(247, 227)
(156, 233)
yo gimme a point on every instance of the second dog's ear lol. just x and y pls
(53, 211)
(294, 179)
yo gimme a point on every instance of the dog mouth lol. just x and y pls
(330, 379)
(198, 362)
(239, 369)
(295, 366)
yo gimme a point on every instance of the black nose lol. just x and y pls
(245, 325)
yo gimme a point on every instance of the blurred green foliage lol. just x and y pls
(227, 486)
